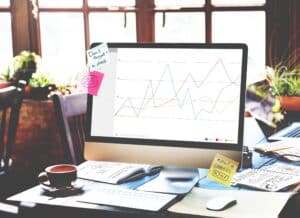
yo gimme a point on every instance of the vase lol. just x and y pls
(290, 103)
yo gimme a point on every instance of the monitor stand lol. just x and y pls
(173, 180)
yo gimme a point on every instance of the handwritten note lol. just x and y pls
(222, 169)
(98, 56)
(92, 81)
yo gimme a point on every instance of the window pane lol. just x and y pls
(60, 3)
(110, 27)
(244, 27)
(4, 3)
(63, 49)
(6, 50)
(110, 3)
(179, 3)
(238, 2)
(180, 27)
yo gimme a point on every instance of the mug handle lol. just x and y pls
(43, 179)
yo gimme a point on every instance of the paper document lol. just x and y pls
(288, 149)
(249, 203)
(269, 178)
(113, 172)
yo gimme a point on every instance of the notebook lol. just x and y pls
(114, 172)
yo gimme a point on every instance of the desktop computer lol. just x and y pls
(170, 104)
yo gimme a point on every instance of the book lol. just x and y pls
(115, 172)
(274, 177)
(288, 149)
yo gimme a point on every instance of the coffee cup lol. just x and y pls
(58, 176)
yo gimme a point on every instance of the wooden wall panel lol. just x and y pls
(20, 24)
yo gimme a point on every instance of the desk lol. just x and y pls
(291, 209)
(46, 211)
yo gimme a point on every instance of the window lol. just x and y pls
(63, 50)
(179, 3)
(216, 21)
(112, 27)
(67, 28)
(177, 27)
(111, 3)
(244, 27)
(4, 3)
(6, 49)
(82, 22)
(60, 3)
(238, 2)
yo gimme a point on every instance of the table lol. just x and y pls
(290, 210)
(46, 211)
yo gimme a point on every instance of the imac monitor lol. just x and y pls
(168, 104)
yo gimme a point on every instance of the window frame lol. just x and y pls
(145, 13)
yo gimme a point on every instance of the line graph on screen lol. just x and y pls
(202, 91)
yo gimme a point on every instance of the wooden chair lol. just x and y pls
(70, 112)
(10, 103)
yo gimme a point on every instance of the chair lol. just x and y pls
(10, 102)
(70, 113)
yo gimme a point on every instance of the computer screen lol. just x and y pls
(166, 103)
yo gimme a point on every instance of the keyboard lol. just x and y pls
(295, 133)
(291, 131)
(121, 197)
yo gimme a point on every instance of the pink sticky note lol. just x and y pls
(94, 82)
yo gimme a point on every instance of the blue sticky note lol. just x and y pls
(97, 57)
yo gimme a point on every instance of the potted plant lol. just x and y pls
(39, 87)
(284, 83)
(24, 65)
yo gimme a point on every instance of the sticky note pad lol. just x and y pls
(222, 169)
(91, 82)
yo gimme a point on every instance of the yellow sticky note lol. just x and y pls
(222, 169)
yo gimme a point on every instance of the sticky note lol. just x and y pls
(98, 56)
(222, 169)
(92, 82)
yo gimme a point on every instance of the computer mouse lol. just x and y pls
(220, 203)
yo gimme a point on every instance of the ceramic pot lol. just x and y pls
(290, 103)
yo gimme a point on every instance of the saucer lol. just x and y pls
(74, 188)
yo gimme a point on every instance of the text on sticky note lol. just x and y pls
(98, 56)
(222, 169)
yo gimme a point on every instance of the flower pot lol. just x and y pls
(4, 84)
(38, 93)
(290, 103)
